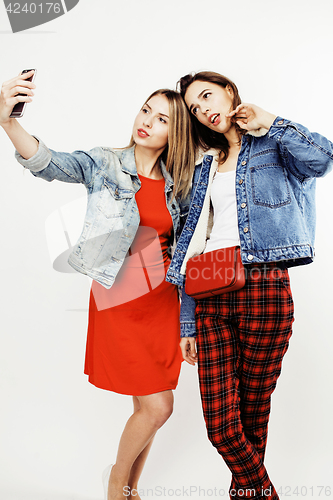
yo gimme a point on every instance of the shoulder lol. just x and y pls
(106, 156)
(116, 152)
(201, 155)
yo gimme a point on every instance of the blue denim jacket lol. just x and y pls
(275, 191)
(112, 216)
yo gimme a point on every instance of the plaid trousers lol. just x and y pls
(242, 337)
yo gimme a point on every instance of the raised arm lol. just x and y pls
(23, 142)
(308, 154)
(33, 154)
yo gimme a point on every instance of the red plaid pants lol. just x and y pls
(242, 337)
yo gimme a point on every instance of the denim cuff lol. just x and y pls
(278, 128)
(37, 162)
(187, 329)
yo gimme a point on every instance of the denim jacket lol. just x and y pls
(112, 216)
(275, 192)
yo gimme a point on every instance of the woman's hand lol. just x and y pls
(250, 117)
(9, 95)
(24, 143)
(187, 345)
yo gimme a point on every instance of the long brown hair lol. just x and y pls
(204, 137)
(179, 154)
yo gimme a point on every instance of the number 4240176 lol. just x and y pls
(33, 8)
(303, 491)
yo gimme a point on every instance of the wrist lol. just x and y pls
(9, 125)
(268, 120)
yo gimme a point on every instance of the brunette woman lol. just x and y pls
(260, 178)
(132, 218)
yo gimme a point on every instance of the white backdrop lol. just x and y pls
(96, 65)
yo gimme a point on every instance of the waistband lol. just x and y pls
(266, 265)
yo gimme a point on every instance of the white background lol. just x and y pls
(96, 65)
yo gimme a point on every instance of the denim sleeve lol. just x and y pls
(77, 167)
(184, 205)
(187, 315)
(307, 154)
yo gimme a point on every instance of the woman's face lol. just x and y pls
(151, 125)
(209, 103)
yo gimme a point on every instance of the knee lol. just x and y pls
(160, 412)
(222, 439)
(215, 438)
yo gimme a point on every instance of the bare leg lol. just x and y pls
(139, 463)
(151, 412)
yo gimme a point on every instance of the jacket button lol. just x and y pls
(280, 122)
(240, 181)
(243, 205)
(246, 229)
(243, 162)
(250, 257)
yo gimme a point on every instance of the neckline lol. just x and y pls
(150, 179)
(225, 173)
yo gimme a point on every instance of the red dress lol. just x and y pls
(133, 330)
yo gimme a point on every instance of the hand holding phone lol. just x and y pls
(19, 108)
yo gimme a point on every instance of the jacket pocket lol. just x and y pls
(270, 186)
(113, 200)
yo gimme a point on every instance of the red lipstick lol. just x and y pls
(142, 133)
(214, 118)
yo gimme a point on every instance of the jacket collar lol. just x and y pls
(128, 165)
(128, 161)
(211, 152)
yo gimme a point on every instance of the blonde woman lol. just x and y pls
(133, 215)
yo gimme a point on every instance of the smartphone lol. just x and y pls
(19, 108)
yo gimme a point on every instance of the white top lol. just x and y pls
(225, 227)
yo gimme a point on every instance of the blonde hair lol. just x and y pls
(179, 154)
